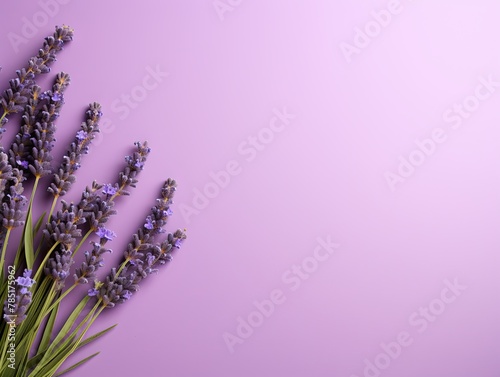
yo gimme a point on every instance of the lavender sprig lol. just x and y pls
(15, 307)
(43, 347)
(61, 233)
(135, 163)
(93, 261)
(21, 146)
(13, 213)
(42, 138)
(5, 174)
(63, 227)
(142, 254)
(15, 97)
(65, 175)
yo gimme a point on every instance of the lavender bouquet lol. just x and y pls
(39, 272)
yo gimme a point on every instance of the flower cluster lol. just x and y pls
(65, 175)
(16, 311)
(49, 246)
(143, 254)
(14, 98)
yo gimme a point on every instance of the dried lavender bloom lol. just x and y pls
(157, 255)
(102, 210)
(98, 209)
(21, 146)
(153, 225)
(63, 226)
(135, 163)
(165, 248)
(65, 175)
(142, 254)
(16, 311)
(93, 261)
(88, 199)
(161, 211)
(42, 137)
(114, 290)
(15, 97)
(5, 174)
(59, 265)
(12, 213)
(12, 101)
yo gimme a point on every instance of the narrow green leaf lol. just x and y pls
(49, 327)
(56, 346)
(29, 253)
(95, 336)
(40, 296)
(48, 369)
(39, 223)
(71, 319)
(76, 365)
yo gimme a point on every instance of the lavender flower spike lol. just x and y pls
(12, 213)
(15, 312)
(42, 138)
(135, 164)
(14, 98)
(59, 265)
(21, 146)
(142, 254)
(65, 175)
(93, 261)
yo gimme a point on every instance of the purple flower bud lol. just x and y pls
(105, 233)
(56, 97)
(23, 163)
(81, 135)
(149, 223)
(126, 295)
(25, 280)
(92, 292)
(109, 190)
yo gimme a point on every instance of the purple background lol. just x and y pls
(323, 175)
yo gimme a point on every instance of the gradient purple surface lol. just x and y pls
(324, 174)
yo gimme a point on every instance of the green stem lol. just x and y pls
(4, 249)
(35, 186)
(42, 366)
(54, 202)
(5, 112)
(89, 232)
(118, 192)
(59, 300)
(45, 259)
(124, 263)
(52, 207)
